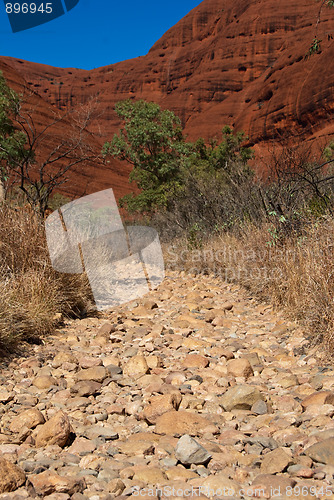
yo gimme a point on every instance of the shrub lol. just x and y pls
(297, 274)
(32, 292)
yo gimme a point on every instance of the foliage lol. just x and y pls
(57, 200)
(222, 156)
(21, 141)
(219, 190)
(328, 152)
(33, 294)
(12, 142)
(315, 46)
(214, 189)
(164, 164)
(152, 141)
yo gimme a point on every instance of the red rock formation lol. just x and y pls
(237, 62)
(86, 178)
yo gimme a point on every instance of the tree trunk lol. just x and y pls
(2, 192)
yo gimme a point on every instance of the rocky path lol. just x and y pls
(194, 391)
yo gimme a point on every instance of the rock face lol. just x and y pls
(275, 461)
(93, 175)
(226, 62)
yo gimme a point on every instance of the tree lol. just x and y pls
(12, 141)
(299, 179)
(224, 155)
(38, 175)
(151, 140)
(315, 47)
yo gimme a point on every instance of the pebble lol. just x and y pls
(195, 386)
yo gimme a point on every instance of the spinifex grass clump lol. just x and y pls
(295, 273)
(32, 293)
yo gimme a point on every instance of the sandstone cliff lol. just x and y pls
(236, 62)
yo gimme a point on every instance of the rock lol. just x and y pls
(55, 431)
(288, 381)
(202, 78)
(300, 470)
(240, 397)
(210, 316)
(116, 486)
(179, 473)
(160, 405)
(28, 418)
(150, 304)
(322, 435)
(227, 306)
(154, 362)
(275, 461)
(107, 432)
(82, 447)
(62, 496)
(239, 367)
(318, 410)
(44, 382)
(5, 396)
(105, 330)
(181, 425)
(253, 358)
(89, 361)
(270, 485)
(220, 485)
(49, 482)
(287, 404)
(149, 475)
(180, 422)
(317, 382)
(85, 388)
(137, 448)
(322, 452)
(95, 373)
(136, 366)
(11, 476)
(259, 407)
(175, 378)
(318, 398)
(195, 361)
(188, 451)
(63, 357)
(286, 437)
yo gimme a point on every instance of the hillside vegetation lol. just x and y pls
(214, 214)
(273, 234)
(33, 296)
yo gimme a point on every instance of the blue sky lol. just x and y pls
(94, 33)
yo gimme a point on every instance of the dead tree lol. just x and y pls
(49, 153)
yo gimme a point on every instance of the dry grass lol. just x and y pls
(295, 273)
(32, 293)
